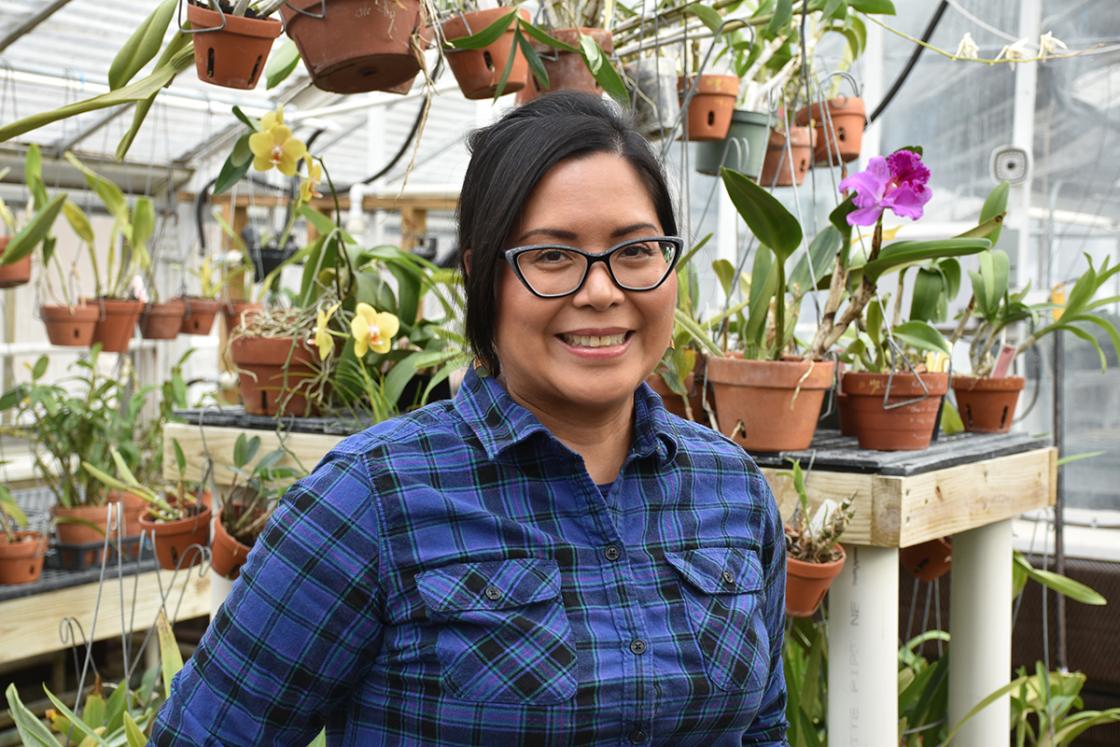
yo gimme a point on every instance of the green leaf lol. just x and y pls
(709, 16)
(143, 224)
(835, 9)
(725, 273)
(904, 253)
(764, 279)
(109, 193)
(33, 233)
(78, 221)
(142, 46)
(767, 218)
(116, 707)
(77, 723)
(1063, 585)
(177, 56)
(875, 324)
(248, 121)
(873, 7)
(783, 14)
(33, 175)
(995, 205)
(839, 218)
(31, 729)
(40, 367)
(536, 66)
(486, 36)
(928, 288)
(132, 732)
(605, 74)
(281, 64)
(543, 37)
(822, 252)
(922, 336)
(171, 660)
(515, 43)
(1062, 461)
(236, 165)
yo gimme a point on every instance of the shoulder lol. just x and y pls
(416, 430)
(696, 441)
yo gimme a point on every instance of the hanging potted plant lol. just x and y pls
(929, 560)
(161, 320)
(709, 100)
(838, 126)
(23, 237)
(21, 551)
(232, 40)
(788, 157)
(656, 102)
(199, 311)
(485, 51)
(814, 556)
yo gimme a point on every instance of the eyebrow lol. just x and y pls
(559, 233)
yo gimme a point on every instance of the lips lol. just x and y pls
(594, 341)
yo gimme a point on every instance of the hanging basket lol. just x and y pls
(229, 50)
(779, 170)
(566, 70)
(711, 106)
(743, 150)
(162, 321)
(849, 118)
(199, 315)
(478, 71)
(807, 583)
(116, 322)
(657, 106)
(14, 273)
(70, 326)
(354, 46)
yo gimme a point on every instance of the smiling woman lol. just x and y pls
(551, 557)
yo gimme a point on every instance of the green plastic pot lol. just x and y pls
(742, 151)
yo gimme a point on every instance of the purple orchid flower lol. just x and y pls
(898, 183)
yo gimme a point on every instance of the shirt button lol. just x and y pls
(638, 646)
(637, 736)
(493, 593)
(728, 578)
(612, 553)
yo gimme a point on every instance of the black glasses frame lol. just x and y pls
(592, 258)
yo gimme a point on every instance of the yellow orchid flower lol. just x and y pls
(323, 338)
(275, 146)
(272, 119)
(372, 330)
(309, 187)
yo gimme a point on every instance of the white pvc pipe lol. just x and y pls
(863, 650)
(219, 590)
(980, 630)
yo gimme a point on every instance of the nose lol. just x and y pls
(599, 290)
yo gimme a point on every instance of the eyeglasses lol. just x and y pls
(555, 270)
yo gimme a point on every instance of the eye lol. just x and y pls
(638, 251)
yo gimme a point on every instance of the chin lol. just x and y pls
(603, 388)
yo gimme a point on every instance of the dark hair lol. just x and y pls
(508, 159)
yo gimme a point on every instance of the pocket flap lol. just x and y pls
(489, 585)
(719, 570)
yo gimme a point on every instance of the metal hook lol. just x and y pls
(821, 93)
(895, 353)
(192, 30)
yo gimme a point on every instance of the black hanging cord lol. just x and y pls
(918, 49)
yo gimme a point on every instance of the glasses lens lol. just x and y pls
(643, 264)
(552, 270)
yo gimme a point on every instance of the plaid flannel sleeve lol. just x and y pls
(769, 727)
(299, 628)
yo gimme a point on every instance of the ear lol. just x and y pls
(466, 261)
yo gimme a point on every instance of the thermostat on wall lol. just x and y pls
(1010, 163)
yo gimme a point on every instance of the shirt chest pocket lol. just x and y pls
(501, 630)
(722, 589)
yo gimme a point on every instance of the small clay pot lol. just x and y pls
(711, 107)
(116, 322)
(807, 583)
(233, 312)
(928, 560)
(845, 415)
(849, 118)
(14, 273)
(673, 402)
(905, 428)
(778, 170)
(356, 46)
(769, 405)
(987, 405)
(227, 555)
(162, 321)
(566, 70)
(266, 387)
(232, 56)
(21, 562)
(71, 326)
(199, 315)
(479, 71)
(83, 533)
(173, 539)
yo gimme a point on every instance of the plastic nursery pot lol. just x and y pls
(769, 405)
(234, 312)
(566, 70)
(657, 106)
(198, 315)
(478, 71)
(743, 150)
(115, 322)
(227, 555)
(711, 107)
(162, 321)
(230, 55)
(21, 562)
(71, 326)
(673, 402)
(928, 560)
(807, 583)
(353, 46)
(848, 116)
(267, 388)
(908, 427)
(987, 405)
(173, 539)
(778, 169)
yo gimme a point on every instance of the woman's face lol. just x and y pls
(591, 203)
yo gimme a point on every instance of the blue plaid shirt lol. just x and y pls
(455, 577)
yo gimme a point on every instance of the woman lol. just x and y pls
(551, 557)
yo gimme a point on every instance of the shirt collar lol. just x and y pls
(500, 423)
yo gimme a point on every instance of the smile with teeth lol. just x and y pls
(594, 341)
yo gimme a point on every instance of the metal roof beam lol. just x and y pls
(31, 22)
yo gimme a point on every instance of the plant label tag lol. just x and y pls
(1003, 362)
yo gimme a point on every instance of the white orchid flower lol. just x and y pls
(967, 49)
(1016, 52)
(1048, 44)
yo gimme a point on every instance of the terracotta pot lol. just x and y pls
(849, 117)
(778, 170)
(777, 403)
(14, 273)
(173, 539)
(227, 555)
(234, 311)
(479, 71)
(357, 45)
(162, 321)
(84, 534)
(711, 107)
(807, 583)
(198, 315)
(905, 428)
(928, 560)
(672, 400)
(234, 55)
(265, 387)
(566, 70)
(72, 326)
(21, 562)
(845, 415)
(987, 405)
(116, 322)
